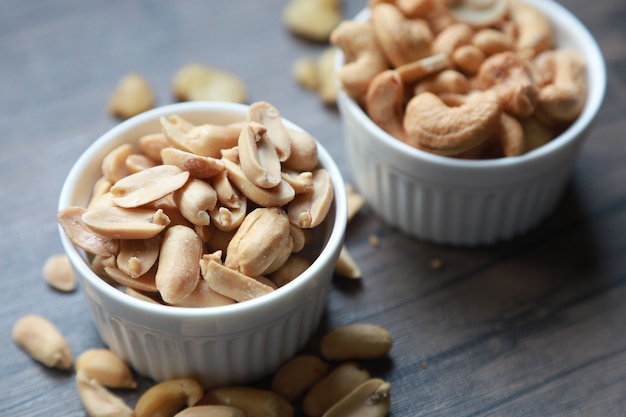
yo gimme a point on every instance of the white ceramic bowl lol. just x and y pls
(218, 345)
(469, 202)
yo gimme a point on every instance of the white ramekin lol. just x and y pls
(232, 344)
(470, 202)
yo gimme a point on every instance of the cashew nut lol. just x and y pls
(384, 103)
(534, 31)
(432, 125)
(479, 13)
(312, 20)
(362, 55)
(402, 40)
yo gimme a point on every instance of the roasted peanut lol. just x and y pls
(132, 95)
(231, 283)
(178, 271)
(197, 166)
(99, 401)
(200, 82)
(203, 140)
(346, 265)
(356, 341)
(204, 296)
(332, 388)
(148, 185)
(384, 103)
(58, 272)
(105, 367)
(290, 270)
(297, 375)
(166, 398)
(355, 201)
(258, 156)
(114, 163)
(277, 196)
(267, 115)
(253, 402)
(137, 256)
(303, 156)
(194, 200)
(42, 341)
(308, 210)
(370, 399)
(124, 223)
(145, 282)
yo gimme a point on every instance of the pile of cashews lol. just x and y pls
(469, 79)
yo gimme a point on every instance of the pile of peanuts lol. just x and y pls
(462, 78)
(332, 384)
(206, 215)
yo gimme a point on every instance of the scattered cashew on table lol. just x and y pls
(488, 75)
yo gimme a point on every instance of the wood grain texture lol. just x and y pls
(532, 327)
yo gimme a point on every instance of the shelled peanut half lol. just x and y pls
(205, 215)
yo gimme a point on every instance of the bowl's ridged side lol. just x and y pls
(225, 359)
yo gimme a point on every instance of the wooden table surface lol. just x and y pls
(532, 327)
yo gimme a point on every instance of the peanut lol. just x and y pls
(58, 272)
(356, 341)
(99, 401)
(166, 398)
(42, 341)
(200, 82)
(297, 375)
(105, 367)
(131, 96)
(252, 401)
(332, 388)
(210, 411)
(370, 399)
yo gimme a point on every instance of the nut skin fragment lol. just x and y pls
(42, 341)
(231, 283)
(106, 368)
(148, 185)
(297, 375)
(99, 401)
(166, 398)
(260, 239)
(402, 40)
(433, 126)
(178, 271)
(58, 273)
(356, 341)
(201, 82)
(329, 390)
(132, 95)
(258, 156)
(253, 402)
(308, 210)
(362, 54)
(370, 399)
(124, 223)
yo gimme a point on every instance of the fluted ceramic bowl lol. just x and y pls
(229, 344)
(471, 202)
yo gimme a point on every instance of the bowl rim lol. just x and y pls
(333, 243)
(596, 75)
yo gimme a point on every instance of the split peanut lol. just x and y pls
(42, 341)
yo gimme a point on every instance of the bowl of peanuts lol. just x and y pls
(205, 237)
(463, 120)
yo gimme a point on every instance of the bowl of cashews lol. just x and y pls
(205, 236)
(462, 120)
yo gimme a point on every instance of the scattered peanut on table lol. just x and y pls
(463, 79)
